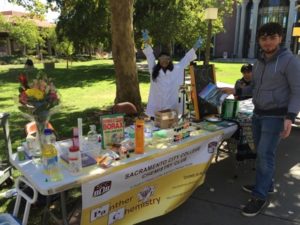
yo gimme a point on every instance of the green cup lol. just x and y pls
(229, 109)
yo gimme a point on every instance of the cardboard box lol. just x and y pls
(166, 118)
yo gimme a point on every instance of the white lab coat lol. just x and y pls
(164, 90)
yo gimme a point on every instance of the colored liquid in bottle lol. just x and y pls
(139, 136)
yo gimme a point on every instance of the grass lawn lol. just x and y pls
(85, 88)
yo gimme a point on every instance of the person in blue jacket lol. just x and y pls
(275, 88)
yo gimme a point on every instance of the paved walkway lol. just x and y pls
(219, 199)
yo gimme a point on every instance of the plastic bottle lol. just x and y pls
(148, 131)
(50, 158)
(74, 158)
(33, 149)
(92, 135)
(139, 136)
(148, 128)
(30, 140)
(93, 143)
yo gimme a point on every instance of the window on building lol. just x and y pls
(270, 3)
(273, 11)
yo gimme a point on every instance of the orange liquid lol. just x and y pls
(139, 137)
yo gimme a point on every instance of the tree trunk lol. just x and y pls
(49, 47)
(123, 50)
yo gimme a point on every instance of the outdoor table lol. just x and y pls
(243, 137)
(103, 190)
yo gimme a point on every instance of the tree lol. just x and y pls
(124, 52)
(85, 23)
(178, 21)
(65, 47)
(51, 37)
(82, 17)
(162, 18)
(3, 24)
(35, 6)
(25, 32)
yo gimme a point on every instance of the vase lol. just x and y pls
(41, 120)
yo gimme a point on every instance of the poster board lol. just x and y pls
(202, 75)
(112, 129)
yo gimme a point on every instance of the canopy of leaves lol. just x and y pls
(85, 23)
(3, 24)
(25, 32)
(35, 6)
(65, 47)
(180, 21)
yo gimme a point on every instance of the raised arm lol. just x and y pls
(191, 54)
(148, 51)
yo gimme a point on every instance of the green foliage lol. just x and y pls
(51, 36)
(25, 32)
(35, 6)
(85, 23)
(65, 47)
(12, 59)
(3, 24)
(178, 21)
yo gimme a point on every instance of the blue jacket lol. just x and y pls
(275, 85)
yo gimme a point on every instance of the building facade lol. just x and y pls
(8, 46)
(239, 38)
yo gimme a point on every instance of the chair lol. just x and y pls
(8, 219)
(30, 128)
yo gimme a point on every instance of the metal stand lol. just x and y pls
(185, 97)
(5, 168)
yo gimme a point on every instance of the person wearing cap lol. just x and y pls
(166, 78)
(246, 71)
(275, 88)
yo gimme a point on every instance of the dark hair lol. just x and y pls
(246, 68)
(269, 29)
(29, 62)
(157, 67)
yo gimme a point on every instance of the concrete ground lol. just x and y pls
(219, 200)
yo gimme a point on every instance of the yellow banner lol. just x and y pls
(148, 189)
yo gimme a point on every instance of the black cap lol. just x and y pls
(246, 68)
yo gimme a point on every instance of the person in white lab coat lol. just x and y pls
(166, 78)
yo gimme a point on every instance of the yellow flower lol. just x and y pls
(35, 93)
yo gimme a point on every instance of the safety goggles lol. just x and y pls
(164, 58)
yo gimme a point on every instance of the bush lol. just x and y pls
(18, 59)
(13, 59)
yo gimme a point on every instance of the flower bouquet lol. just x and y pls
(37, 98)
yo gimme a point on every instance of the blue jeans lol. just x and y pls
(266, 134)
